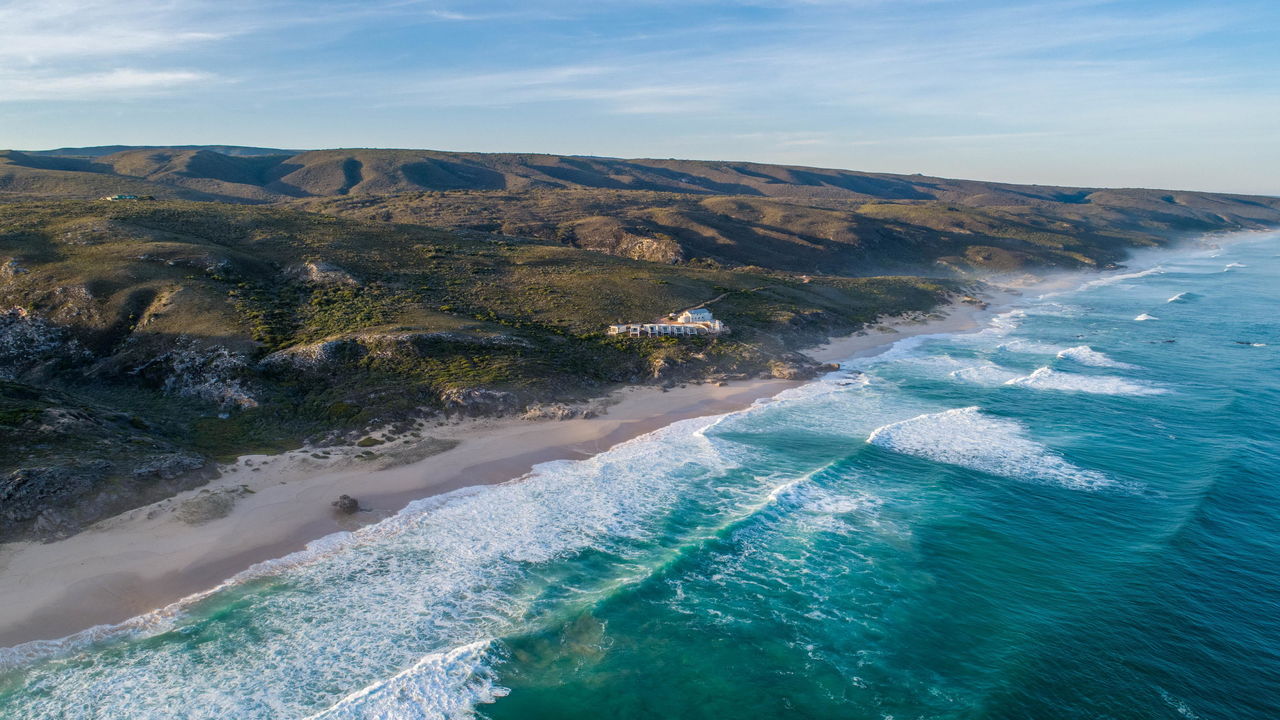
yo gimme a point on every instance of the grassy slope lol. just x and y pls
(132, 281)
(842, 237)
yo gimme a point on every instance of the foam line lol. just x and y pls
(1085, 355)
(1049, 379)
(969, 438)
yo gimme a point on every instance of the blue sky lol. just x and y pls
(1172, 93)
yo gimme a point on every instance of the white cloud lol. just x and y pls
(35, 33)
(98, 49)
(115, 83)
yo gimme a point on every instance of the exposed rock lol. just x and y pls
(478, 401)
(27, 493)
(215, 374)
(209, 505)
(170, 466)
(794, 369)
(63, 420)
(322, 273)
(55, 523)
(27, 341)
(346, 505)
(613, 236)
(560, 411)
(317, 355)
(9, 269)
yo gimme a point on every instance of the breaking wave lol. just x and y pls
(440, 686)
(460, 560)
(969, 438)
(985, 374)
(1144, 317)
(1048, 379)
(1085, 355)
(1030, 347)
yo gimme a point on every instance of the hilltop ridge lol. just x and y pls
(795, 218)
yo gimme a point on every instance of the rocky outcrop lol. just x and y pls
(168, 466)
(322, 273)
(52, 501)
(28, 493)
(474, 402)
(28, 342)
(560, 411)
(10, 269)
(214, 374)
(315, 356)
(610, 235)
(795, 367)
(346, 505)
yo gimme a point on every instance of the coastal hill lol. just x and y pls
(735, 213)
(265, 299)
(139, 341)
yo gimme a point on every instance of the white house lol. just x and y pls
(690, 322)
(697, 315)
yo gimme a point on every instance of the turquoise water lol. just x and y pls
(1072, 513)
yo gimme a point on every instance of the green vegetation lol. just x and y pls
(157, 290)
(264, 299)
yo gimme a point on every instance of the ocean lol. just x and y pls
(1073, 512)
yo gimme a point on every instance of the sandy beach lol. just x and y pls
(151, 557)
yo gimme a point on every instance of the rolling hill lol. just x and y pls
(265, 298)
(731, 213)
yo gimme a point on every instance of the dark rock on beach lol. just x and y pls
(346, 505)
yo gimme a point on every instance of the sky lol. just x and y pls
(1150, 93)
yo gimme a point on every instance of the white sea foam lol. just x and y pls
(1031, 347)
(904, 348)
(1085, 355)
(1144, 317)
(446, 572)
(1182, 297)
(1233, 265)
(1049, 379)
(1178, 704)
(969, 438)
(985, 374)
(440, 686)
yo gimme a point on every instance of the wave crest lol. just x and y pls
(439, 686)
(1048, 379)
(969, 438)
(1085, 355)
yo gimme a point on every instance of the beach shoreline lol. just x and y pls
(149, 558)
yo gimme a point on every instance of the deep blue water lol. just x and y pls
(1073, 513)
